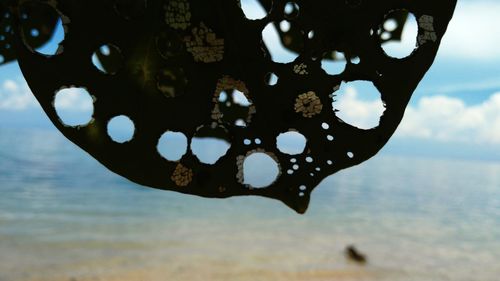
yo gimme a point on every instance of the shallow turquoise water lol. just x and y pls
(63, 214)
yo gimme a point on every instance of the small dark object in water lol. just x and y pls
(354, 255)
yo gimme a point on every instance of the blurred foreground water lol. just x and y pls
(65, 217)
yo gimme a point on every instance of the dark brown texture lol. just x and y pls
(178, 56)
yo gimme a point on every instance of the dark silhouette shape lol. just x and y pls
(179, 56)
(354, 255)
(38, 22)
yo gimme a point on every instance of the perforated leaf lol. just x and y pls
(200, 69)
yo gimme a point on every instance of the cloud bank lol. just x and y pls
(438, 118)
(16, 96)
(471, 34)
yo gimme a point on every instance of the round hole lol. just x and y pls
(223, 97)
(355, 60)
(74, 106)
(271, 79)
(350, 154)
(285, 26)
(51, 34)
(291, 10)
(291, 143)
(390, 25)
(330, 138)
(336, 66)
(35, 32)
(107, 59)
(329, 162)
(211, 144)
(359, 104)
(260, 170)
(303, 188)
(325, 126)
(309, 159)
(405, 47)
(121, 129)
(172, 145)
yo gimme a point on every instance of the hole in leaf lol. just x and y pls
(107, 59)
(235, 108)
(405, 47)
(271, 79)
(260, 170)
(359, 104)
(390, 25)
(291, 143)
(210, 144)
(272, 41)
(334, 66)
(253, 10)
(44, 39)
(172, 145)
(291, 10)
(121, 129)
(74, 106)
(355, 60)
(285, 26)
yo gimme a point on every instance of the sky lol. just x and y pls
(455, 112)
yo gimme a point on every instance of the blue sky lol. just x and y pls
(455, 111)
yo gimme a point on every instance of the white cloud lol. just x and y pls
(471, 34)
(448, 119)
(74, 100)
(16, 96)
(363, 114)
(438, 118)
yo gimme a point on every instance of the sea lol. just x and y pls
(63, 216)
